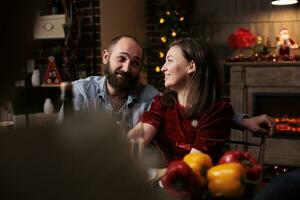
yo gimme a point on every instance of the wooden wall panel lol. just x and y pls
(217, 19)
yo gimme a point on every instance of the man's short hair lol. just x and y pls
(115, 40)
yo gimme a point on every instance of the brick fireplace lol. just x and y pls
(273, 89)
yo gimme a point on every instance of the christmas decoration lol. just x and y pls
(260, 48)
(52, 76)
(285, 43)
(242, 38)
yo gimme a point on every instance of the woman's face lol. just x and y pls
(175, 69)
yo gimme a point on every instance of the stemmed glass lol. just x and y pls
(6, 116)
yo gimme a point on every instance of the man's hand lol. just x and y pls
(261, 124)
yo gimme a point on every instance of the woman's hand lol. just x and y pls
(142, 130)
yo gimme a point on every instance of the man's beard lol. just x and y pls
(123, 83)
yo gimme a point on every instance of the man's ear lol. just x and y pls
(105, 56)
(191, 67)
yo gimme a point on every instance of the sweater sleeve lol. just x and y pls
(214, 128)
(155, 114)
(237, 121)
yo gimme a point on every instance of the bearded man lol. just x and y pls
(118, 91)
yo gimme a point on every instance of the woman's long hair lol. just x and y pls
(205, 83)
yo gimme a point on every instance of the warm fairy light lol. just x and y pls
(168, 13)
(163, 39)
(274, 58)
(174, 33)
(161, 54)
(157, 69)
(161, 20)
(181, 18)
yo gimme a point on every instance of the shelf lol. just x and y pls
(50, 27)
(50, 86)
(31, 99)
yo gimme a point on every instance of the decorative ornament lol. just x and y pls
(52, 76)
(260, 48)
(48, 106)
(35, 78)
(242, 38)
(285, 43)
(194, 123)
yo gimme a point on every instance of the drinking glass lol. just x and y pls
(137, 144)
(6, 116)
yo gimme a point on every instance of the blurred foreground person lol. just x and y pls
(70, 161)
(284, 186)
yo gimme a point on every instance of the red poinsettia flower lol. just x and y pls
(241, 38)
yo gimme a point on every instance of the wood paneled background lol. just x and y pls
(217, 19)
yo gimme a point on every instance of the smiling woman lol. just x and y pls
(177, 70)
(190, 115)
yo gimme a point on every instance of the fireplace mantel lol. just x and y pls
(249, 78)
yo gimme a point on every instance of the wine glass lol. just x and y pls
(6, 116)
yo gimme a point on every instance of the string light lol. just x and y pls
(274, 58)
(163, 39)
(161, 54)
(181, 18)
(174, 33)
(161, 20)
(157, 69)
(168, 13)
